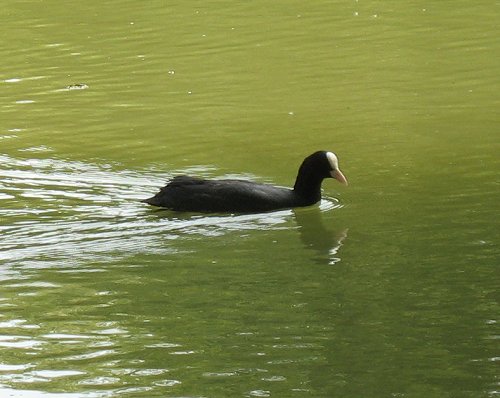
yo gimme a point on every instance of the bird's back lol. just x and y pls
(186, 193)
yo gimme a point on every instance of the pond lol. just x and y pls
(386, 288)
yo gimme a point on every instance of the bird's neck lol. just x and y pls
(308, 187)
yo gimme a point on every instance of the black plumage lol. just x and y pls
(186, 193)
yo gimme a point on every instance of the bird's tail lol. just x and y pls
(153, 201)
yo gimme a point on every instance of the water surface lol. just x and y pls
(387, 288)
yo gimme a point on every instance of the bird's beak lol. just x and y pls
(337, 174)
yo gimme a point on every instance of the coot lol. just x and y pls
(186, 193)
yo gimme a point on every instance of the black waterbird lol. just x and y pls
(192, 194)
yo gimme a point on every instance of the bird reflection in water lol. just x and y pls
(314, 235)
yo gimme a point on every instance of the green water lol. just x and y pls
(387, 288)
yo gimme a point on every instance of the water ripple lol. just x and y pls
(75, 210)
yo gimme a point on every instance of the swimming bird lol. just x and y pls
(185, 193)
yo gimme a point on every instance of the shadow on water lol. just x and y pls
(324, 241)
(315, 235)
